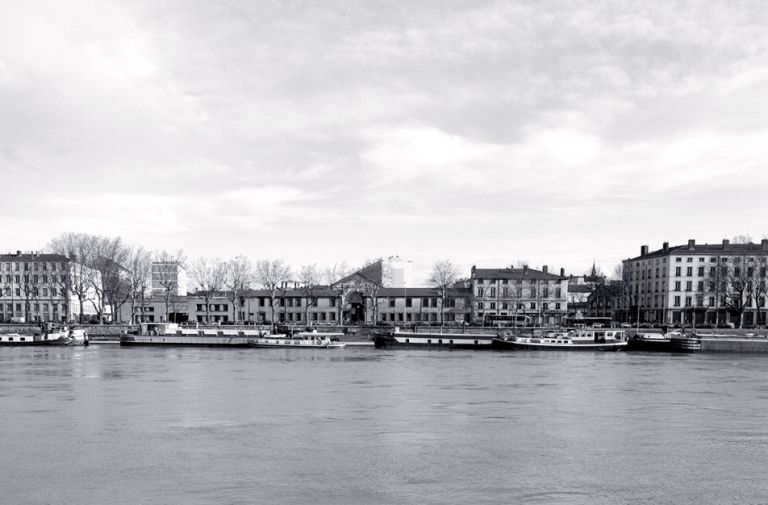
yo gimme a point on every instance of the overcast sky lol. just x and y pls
(483, 132)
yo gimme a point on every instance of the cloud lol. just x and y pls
(411, 126)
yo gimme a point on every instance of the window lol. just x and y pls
(701, 259)
(480, 306)
(544, 306)
(689, 271)
(332, 302)
(492, 292)
(505, 292)
(479, 291)
(493, 306)
(689, 259)
(408, 302)
(677, 271)
(700, 286)
(688, 285)
(557, 306)
(701, 271)
(391, 302)
(711, 301)
(712, 259)
(678, 260)
(677, 285)
(677, 301)
(533, 305)
(545, 293)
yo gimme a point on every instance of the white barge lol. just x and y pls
(582, 339)
(303, 340)
(407, 340)
(171, 334)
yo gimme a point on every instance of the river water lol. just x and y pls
(112, 425)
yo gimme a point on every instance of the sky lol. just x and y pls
(487, 133)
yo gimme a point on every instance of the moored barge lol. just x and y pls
(720, 343)
(583, 339)
(171, 334)
(49, 335)
(406, 340)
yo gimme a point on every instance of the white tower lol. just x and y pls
(402, 272)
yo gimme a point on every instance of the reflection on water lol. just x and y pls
(113, 425)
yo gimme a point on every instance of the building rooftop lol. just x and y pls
(421, 292)
(32, 256)
(725, 247)
(524, 273)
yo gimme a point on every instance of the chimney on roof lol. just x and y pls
(562, 272)
(726, 242)
(643, 250)
(545, 268)
(764, 244)
(525, 269)
(665, 246)
(18, 253)
(691, 243)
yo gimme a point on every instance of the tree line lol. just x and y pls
(108, 271)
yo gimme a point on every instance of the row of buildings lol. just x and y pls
(675, 285)
(489, 296)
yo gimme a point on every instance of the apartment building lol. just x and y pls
(405, 306)
(520, 295)
(698, 284)
(40, 287)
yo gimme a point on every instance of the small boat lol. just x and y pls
(302, 340)
(581, 339)
(406, 340)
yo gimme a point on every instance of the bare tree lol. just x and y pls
(443, 278)
(743, 238)
(732, 286)
(625, 295)
(371, 287)
(139, 265)
(310, 280)
(757, 290)
(209, 276)
(239, 273)
(110, 256)
(271, 274)
(166, 273)
(337, 278)
(80, 249)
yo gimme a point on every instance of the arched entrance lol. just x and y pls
(355, 314)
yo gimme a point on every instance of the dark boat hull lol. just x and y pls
(641, 345)
(183, 341)
(36, 343)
